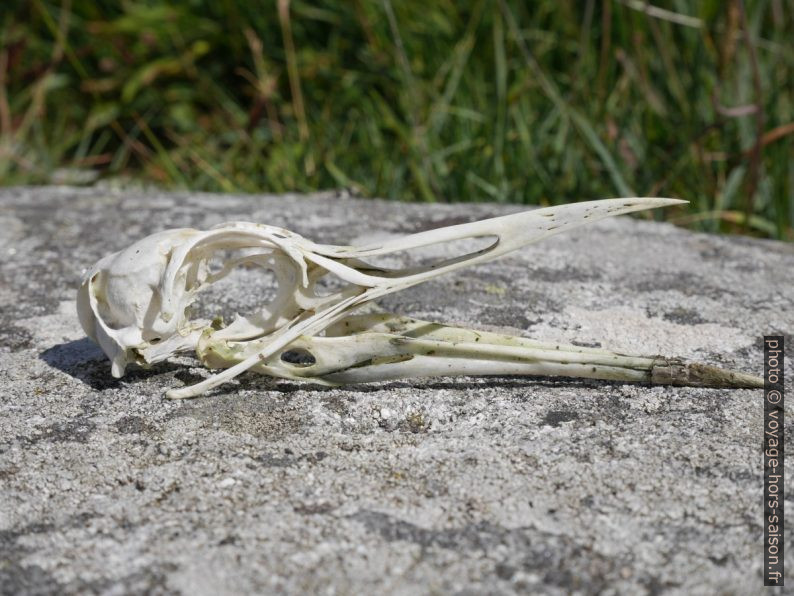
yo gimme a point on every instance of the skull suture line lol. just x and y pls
(134, 304)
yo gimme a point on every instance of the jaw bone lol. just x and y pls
(134, 303)
(385, 347)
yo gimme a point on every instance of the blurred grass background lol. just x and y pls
(538, 102)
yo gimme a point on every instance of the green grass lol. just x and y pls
(537, 102)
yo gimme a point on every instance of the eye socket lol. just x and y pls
(223, 298)
(155, 340)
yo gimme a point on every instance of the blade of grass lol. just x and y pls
(551, 91)
(165, 158)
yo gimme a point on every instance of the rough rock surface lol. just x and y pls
(467, 485)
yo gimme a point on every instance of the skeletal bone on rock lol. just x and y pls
(134, 304)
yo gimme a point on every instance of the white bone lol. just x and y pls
(134, 304)
(384, 346)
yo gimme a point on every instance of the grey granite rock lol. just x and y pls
(467, 485)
